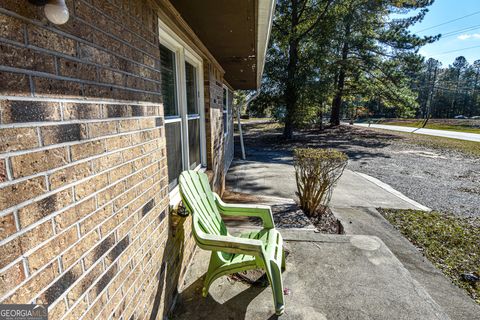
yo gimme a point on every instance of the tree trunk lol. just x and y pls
(291, 94)
(340, 85)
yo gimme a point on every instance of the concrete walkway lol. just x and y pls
(328, 277)
(278, 179)
(431, 132)
(354, 201)
(368, 221)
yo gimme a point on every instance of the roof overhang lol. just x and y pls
(235, 32)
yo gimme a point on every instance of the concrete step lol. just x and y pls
(368, 221)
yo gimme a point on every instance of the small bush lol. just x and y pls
(316, 171)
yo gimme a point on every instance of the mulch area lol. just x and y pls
(286, 214)
(327, 223)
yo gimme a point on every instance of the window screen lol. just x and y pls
(173, 135)
(194, 142)
(169, 86)
(191, 86)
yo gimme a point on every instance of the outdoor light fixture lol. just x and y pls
(56, 11)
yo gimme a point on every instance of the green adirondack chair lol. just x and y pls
(251, 250)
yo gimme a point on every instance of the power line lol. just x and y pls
(450, 33)
(446, 52)
(450, 21)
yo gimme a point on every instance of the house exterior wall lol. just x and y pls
(84, 205)
(214, 125)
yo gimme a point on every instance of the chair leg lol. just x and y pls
(210, 276)
(284, 265)
(275, 277)
(206, 286)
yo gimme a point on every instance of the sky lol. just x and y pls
(457, 35)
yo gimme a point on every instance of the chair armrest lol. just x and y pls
(248, 210)
(226, 243)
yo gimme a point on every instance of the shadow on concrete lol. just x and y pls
(191, 305)
(270, 146)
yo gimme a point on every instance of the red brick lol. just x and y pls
(86, 243)
(11, 28)
(11, 277)
(13, 139)
(29, 111)
(106, 162)
(70, 174)
(75, 111)
(14, 194)
(45, 87)
(98, 129)
(42, 208)
(77, 70)
(63, 133)
(72, 215)
(84, 284)
(92, 54)
(27, 241)
(3, 171)
(36, 162)
(7, 226)
(96, 219)
(29, 11)
(47, 39)
(90, 186)
(24, 58)
(87, 149)
(52, 249)
(14, 84)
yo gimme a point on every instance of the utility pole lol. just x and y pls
(430, 97)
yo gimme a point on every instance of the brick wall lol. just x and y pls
(214, 125)
(84, 221)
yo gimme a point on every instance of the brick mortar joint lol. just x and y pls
(67, 145)
(75, 203)
(133, 255)
(70, 36)
(113, 231)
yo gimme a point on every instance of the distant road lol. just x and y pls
(431, 132)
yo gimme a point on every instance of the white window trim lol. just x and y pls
(184, 53)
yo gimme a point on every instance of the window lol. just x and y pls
(181, 90)
(193, 116)
(169, 87)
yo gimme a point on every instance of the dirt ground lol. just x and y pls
(442, 179)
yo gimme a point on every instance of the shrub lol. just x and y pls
(316, 171)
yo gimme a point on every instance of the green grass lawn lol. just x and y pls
(438, 126)
(452, 244)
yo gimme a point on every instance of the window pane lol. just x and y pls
(191, 82)
(194, 142)
(169, 86)
(173, 135)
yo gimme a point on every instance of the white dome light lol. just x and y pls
(56, 11)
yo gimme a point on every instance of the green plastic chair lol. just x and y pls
(251, 250)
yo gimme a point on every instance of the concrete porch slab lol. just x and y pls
(330, 277)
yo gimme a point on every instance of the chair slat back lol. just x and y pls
(200, 201)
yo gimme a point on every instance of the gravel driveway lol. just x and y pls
(443, 180)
